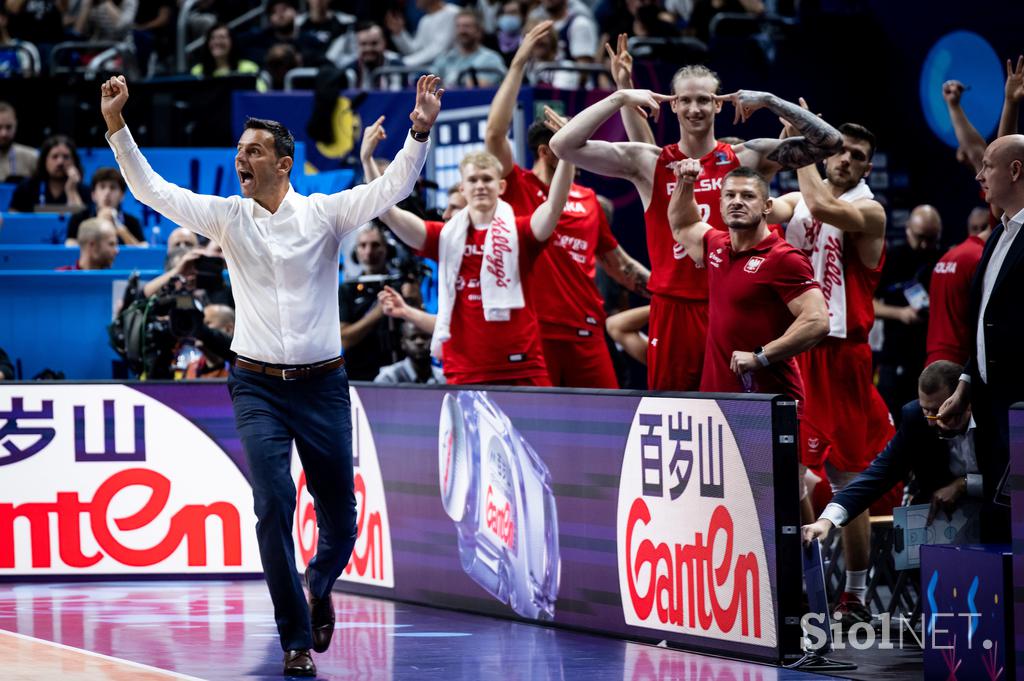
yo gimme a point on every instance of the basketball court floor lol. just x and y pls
(224, 630)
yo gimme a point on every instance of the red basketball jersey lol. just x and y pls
(673, 273)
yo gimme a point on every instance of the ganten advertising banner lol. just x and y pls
(655, 518)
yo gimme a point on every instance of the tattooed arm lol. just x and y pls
(621, 267)
(817, 139)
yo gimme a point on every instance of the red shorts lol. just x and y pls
(845, 420)
(539, 381)
(583, 363)
(675, 352)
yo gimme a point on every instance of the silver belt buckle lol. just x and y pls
(297, 374)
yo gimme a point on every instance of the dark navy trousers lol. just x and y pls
(315, 413)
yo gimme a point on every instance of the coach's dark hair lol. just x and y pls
(750, 173)
(284, 143)
(859, 132)
(938, 375)
(536, 135)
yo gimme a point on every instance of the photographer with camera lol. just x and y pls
(371, 340)
(213, 340)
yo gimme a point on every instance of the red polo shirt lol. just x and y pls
(949, 329)
(747, 307)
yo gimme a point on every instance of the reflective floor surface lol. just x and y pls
(225, 631)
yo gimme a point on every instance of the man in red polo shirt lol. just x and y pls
(764, 305)
(949, 324)
(568, 304)
(486, 330)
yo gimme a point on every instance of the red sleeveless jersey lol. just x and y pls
(673, 273)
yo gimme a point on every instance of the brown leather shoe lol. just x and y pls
(299, 663)
(321, 618)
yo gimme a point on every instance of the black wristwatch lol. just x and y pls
(419, 136)
(761, 358)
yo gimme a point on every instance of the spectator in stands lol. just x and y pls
(371, 53)
(40, 22)
(213, 340)
(17, 161)
(281, 15)
(280, 59)
(705, 10)
(97, 246)
(106, 20)
(645, 18)
(468, 54)
(15, 55)
(943, 459)
(366, 334)
(456, 202)
(901, 302)
(416, 367)
(179, 266)
(56, 182)
(574, 26)
(181, 237)
(435, 32)
(323, 33)
(949, 322)
(108, 190)
(154, 31)
(206, 13)
(509, 34)
(7, 369)
(219, 56)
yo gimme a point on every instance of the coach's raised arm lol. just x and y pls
(264, 164)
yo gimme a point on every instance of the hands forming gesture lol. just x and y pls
(646, 102)
(1015, 79)
(688, 170)
(746, 103)
(621, 62)
(372, 136)
(428, 103)
(530, 40)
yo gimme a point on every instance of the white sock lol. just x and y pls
(857, 584)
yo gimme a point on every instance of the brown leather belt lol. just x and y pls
(294, 373)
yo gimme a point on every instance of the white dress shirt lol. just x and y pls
(283, 265)
(995, 263)
(963, 463)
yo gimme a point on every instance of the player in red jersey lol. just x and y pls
(765, 306)
(486, 329)
(841, 228)
(949, 326)
(678, 285)
(568, 304)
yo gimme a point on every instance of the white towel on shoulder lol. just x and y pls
(501, 288)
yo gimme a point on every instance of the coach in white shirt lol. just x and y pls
(289, 382)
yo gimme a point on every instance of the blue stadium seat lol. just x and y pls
(58, 320)
(6, 192)
(33, 228)
(50, 257)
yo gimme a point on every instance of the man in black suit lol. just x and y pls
(942, 458)
(994, 376)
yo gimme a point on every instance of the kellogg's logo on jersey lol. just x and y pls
(690, 553)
